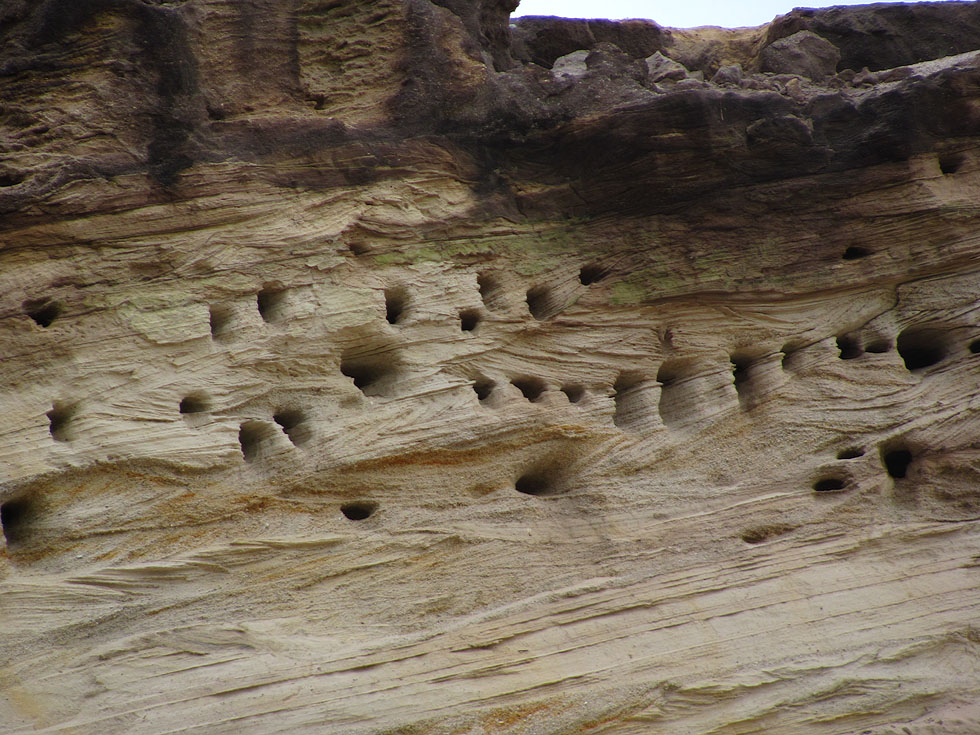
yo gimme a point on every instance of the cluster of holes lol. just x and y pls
(851, 346)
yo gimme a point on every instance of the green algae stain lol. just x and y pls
(625, 293)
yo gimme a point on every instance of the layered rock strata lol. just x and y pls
(393, 367)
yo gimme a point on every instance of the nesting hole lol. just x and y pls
(469, 319)
(631, 407)
(252, 436)
(219, 318)
(359, 510)
(491, 291)
(271, 301)
(975, 347)
(43, 312)
(950, 163)
(541, 302)
(592, 273)
(849, 347)
(761, 534)
(538, 482)
(396, 304)
(855, 252)
(359, 249)
(829, 484)
(60, 420)
(921, 348)
(532, 388)
(293, 423)
(194, 403)
(575, 392)
(16, 517)
(483, 387)
(878, 346)
(850, 453)
(896, 461)
(374, 375)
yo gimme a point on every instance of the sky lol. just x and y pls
(674, 13)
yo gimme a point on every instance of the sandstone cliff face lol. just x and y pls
(386, 367)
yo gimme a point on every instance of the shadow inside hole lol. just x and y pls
(396, 304)
(878, 346)
(742, 378)
(541, 482)
(271, 300)
(60, 420)
(491, 291)
(921, 347)
(950, 163)
(829, 484)
(359, 249)
(252, 437)
(16, 518)
(469, 319)
(849, 347)
(855, 252)
(531, 387)
(359, 510)
(975, 347)
(896, 462)
(761, 534)
(194, 403)
(574, 392)
(43, 312)
(592, 273)
(850, 453)
(541, 302)
(373, 375)
(483, 387)
(293, 423)
(219, 319)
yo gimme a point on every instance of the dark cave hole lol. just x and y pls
(975, 347)
(251, 436)
(896, 462)
(271, 300)
(370, 373)
(828, 484)
(878, 346)
(359, 510)
(532, 388)
(850, 453)
(574, 391)
(855, 252)
(740, 372)
(536, 483)
(59, 418)
(219, 319)
(483, 387)
(850, 347)
(592, 273)
(292, 421)
(541, 302)
(194, 403)
(396, 304)
(491, 291)
(43, 312)
(920, 348)
(15, 517)
(359, 249)
(469, 319)
(950, 163)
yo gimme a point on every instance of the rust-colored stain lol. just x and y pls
(506, 717)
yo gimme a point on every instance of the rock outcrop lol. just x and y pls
(393, 367)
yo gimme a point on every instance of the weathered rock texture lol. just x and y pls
(364, 374)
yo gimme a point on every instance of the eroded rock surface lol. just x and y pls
(393, 367)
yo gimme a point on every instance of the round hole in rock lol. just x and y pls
(219, 319)
(829, 484)
(292, 421)
(15, 518)
(855, 252)
(59, 419)
(491, 291)
(592, 273)
(532, 388)
(483, 388)
(43, 312)
(921, 347)
(271, 300)
(251, 436)
(850, 453)
(372, 374)
(541, 303)
(536, 483)
(194, 403)
(896, 462)
(396, 304)
(975, 346)
(950, 163)
(359, 249)
(469, 319)
(359, 510)
(850, 347)
(575, 392)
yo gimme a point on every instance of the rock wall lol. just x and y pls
(390, 367)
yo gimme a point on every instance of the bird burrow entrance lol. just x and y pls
(921, 347)
(532, 388)
(491, 291)
(358, 510)
(271, 301)
(294, 425)
(17, 517)
(254, 438)
(592, 273)
(396, 304)
(373, 374)
(896, 460)
(469, 319)
(43, 311)
(60, 421)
